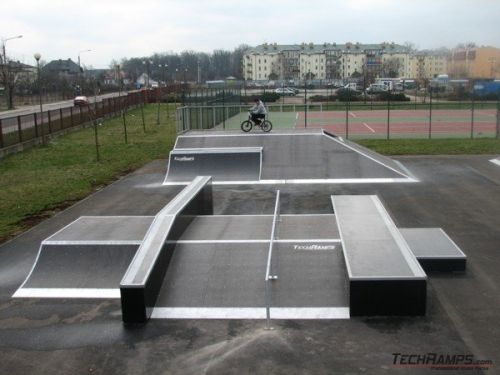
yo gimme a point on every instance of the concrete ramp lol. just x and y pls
(86, 259)
(287, 157)
(223, 164)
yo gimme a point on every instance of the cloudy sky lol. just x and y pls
(126, 28)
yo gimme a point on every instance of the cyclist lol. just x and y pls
(258, 111)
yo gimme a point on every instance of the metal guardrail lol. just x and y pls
(269, 274)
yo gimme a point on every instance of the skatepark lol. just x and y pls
(267, 239)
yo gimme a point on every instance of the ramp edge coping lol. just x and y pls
(412, 262)
(169, 213)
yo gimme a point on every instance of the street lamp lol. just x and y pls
(79, 53)
(37, 57)
(6, 67)
(80, 67)
(184, 87)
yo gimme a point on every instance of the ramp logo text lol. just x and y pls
(184, 158)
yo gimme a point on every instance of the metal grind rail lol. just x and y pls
(269, 274)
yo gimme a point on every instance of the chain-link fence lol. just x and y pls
(357, 119)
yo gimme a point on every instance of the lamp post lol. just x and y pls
(184, 87)
(80, 66)
(6, 67)
(158, 90)
(37, 57)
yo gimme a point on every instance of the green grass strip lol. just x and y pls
(432, 146)
(39, 181)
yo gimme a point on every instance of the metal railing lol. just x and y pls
(382, 120)
(21, 129)
(270, 273)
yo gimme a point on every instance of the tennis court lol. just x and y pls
(356, 123)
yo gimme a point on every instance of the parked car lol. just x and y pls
(285, 91)
(376, 88)
(81, 100)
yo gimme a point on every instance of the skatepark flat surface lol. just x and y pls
(460, 194)
(297, 156)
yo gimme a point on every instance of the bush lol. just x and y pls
(347, 95)
(386, 96)
(269, 97)
(323, 98)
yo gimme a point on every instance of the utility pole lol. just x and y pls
(5, 71)
(37, 58)
(199, 73)
(80, 67)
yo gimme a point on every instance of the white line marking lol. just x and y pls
(369, 127)
(67, 293)
(250, 313)
(240, 241)
(311, 181)
(92, 242)
(495, 161)
(352, 114)
(248, 135)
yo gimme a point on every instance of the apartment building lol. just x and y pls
(323, 61)
(426, 65)
(476, 62)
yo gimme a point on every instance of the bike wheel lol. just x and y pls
(266, 126)
(246, 126)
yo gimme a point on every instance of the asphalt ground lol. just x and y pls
(458, 193)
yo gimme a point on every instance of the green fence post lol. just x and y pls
(472, 117)
(430, 113)
(498, 117)
(389, 115)
(1, 134)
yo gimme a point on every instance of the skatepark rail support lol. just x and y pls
(269, 277)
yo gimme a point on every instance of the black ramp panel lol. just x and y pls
(385, 278)
(223, 164)
(309, 275)
(81, 266)
(434, 249)
(143, 279)
(304, 156)
(215, 275)
(226, 228)
(105, 228)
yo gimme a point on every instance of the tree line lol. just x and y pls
(170, 66)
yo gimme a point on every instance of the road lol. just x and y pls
(51, 106)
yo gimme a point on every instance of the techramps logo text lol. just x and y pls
(314, 247)
(440, 361)
(184, 158)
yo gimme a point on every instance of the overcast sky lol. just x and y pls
(127, 28)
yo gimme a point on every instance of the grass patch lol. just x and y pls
(42, 180)
(433, 146)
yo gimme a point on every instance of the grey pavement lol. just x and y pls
(26, 110)
(457, 193)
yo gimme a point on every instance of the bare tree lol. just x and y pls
(390, 68)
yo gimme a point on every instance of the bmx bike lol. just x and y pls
(248, 125)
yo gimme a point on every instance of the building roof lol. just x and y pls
(62, 66)
(320, 48)
(20, 66)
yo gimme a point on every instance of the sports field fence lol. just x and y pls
(376, 120)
